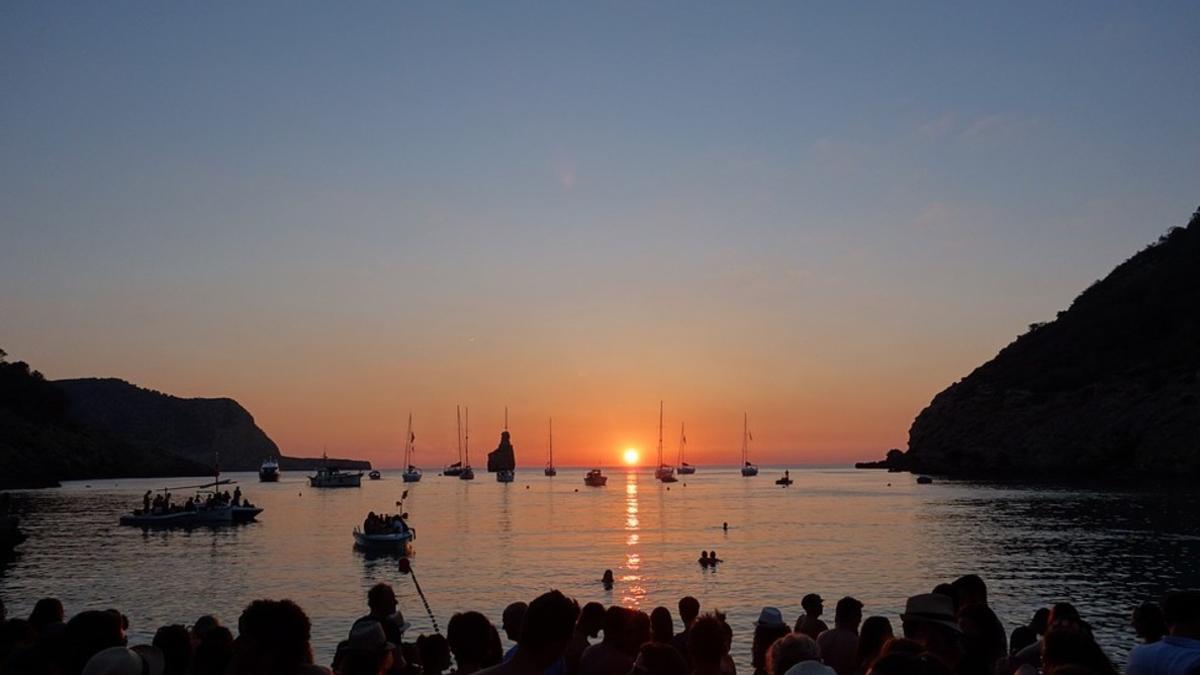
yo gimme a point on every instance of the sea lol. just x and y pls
(873, 535)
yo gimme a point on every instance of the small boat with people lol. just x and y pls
(385, 532)
(411, 473)
(684, 468)
(330, 476)
(209, 506)
(595, 478)
(786, 480)
(268, 471)
(748, 469)
(374, 475)
(664, 472)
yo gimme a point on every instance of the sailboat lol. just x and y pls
(467, 472)
(748, 469)
(550, 470)
(411, 473)
(684, 469)
(664, 472)
(456, 468)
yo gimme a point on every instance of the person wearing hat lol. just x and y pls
(769, 627)
(929, 620)
(810, 622)
(381, 600)
(368, 651)
(140, 660)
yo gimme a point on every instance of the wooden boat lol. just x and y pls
(748, 469)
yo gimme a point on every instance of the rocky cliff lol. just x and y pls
(503, 458)
(1111, 387)
(195, 429)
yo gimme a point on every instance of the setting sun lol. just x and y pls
(631, 456)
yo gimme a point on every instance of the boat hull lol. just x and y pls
(268, 476)
(452, 472)
(550, 471)
(411, 476)
(205, 517)
(245, 514)
(399, 541)
(340, 481)
(374, 475)
(749, 470)
(686, 470)
(504, 476)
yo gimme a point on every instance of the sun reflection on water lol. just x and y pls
(634, 590)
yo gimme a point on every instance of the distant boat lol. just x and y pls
(456, 468)
(550, 470)
(664, 472)
(374, 475)
(786, 480)
(595, 478)
(332, 477)
(684, 469)
(924, 480)
(505, 476)
(268, 471)
(467, 472)
(411, 473)
(748, 469)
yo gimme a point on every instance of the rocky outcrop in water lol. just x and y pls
(503, 458)
(1110, 388)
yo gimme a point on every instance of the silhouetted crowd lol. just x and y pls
(951, 631)
(384, 523)
(161, 503)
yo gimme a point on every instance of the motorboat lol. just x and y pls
(786, 480)
(924, 480)
(505, 476)
(595, 478)
(374, 475)
(268, 471)
(333, 477)
(394, 537)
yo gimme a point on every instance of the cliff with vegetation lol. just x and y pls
(40, 444)
(197, 429)
(1110, 388)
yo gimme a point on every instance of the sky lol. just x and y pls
(817, 214)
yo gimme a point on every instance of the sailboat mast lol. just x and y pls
(458, 430)
(467, 435)
(408, 444)
(745, 432)
(551, 441)
(682, 442)
(506, 418)
(660, 421)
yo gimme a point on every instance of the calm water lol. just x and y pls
(481, 545)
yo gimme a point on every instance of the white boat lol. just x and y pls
(684, 469)
(467, 472)
(664, 472)
(550, 470)
(399, 539)
(268, 472)
(375, 475)
(411, 473)
(748, 469)
(595, 478)
(333, 477)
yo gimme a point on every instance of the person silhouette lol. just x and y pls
(704, 560)
(607, 580)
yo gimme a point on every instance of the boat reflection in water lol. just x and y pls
(631, 579)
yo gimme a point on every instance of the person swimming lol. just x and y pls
(704, 561)
(713, 559)
(607, 579)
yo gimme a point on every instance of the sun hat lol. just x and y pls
(931, 608)
(770, 616)
(140, 660)
(368, 636)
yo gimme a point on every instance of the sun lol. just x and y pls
(631, 456)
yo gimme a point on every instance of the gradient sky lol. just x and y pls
(819, 213)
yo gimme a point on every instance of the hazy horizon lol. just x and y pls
(821, 216)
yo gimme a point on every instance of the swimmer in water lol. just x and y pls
(703, 559)
(725, 526)
(607, 579)
(713, 559)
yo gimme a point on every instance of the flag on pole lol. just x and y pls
(750, 435)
